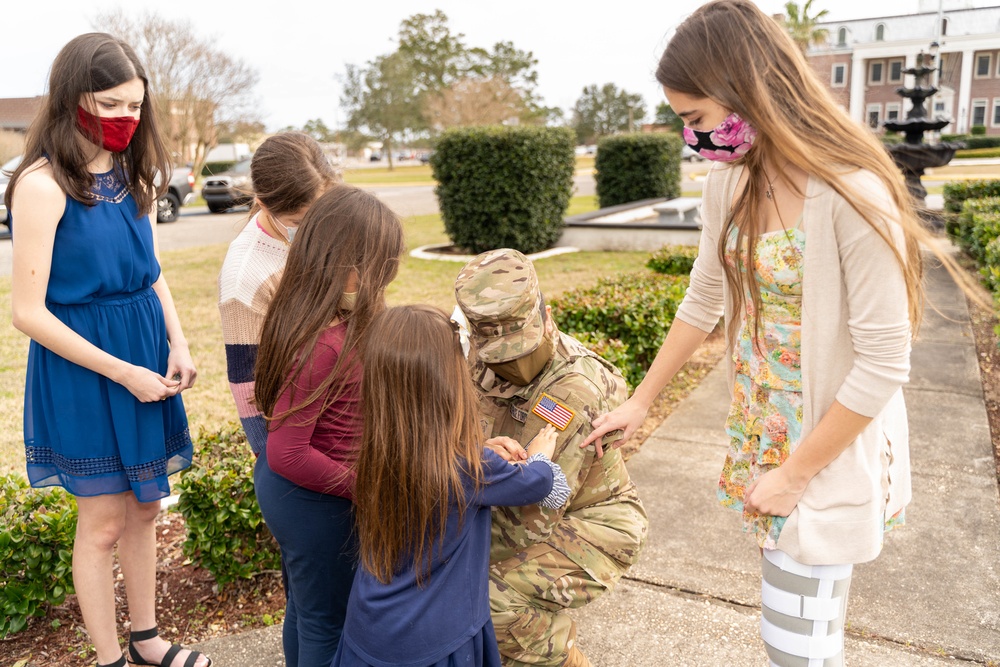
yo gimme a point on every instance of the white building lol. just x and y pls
(863, 62)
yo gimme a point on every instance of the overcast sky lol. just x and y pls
(299, 48)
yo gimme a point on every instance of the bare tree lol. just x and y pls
(474, 101)
(196, 86)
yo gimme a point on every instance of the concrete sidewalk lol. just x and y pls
(932, 598)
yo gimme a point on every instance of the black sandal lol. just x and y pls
(120, 662)
(135, 658)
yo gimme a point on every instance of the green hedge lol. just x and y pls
(630, 312)
(226, 534)
(955, 194)
(673, 259)
(633, 167)
(978, 226)
(37, 527)
(973, 140)
(504, 187)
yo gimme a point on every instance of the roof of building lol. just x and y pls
(961, 21)
(16, 113)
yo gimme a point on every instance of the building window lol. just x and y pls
(880, 32)
(874, 115)
(996, 112)
(895, 71)
(842, 37)
(892, 111)
(978, 113)
(875, 72)
(983, 65)
(839, 76)
(944, 27)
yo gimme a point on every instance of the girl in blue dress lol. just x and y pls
(425, 485)
(103, 416)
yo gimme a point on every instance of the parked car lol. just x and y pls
(180, 191)
(228, 189)
(689, 154)
(5, 170)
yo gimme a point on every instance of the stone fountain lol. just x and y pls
(913, 156)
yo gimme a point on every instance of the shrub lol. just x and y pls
(954, 137)
(37, 527)
(504, 187)
(978, 130)
(632, 167)
(982, 142)
(990, 270)
(956, 192)
(226, 534)
(673, 259)
(635, 309)
(979, 223)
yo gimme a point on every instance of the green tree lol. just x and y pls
(381, 99)
(318, 130)
(802, 26)
(438, 58)
(666, 116)
(605, 110)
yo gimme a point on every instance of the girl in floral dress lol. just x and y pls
(820, 302)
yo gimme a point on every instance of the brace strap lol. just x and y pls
(786, 563)
(799, 606)
(813, 648)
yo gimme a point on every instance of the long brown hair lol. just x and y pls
(346, 232)
(421, 438)
(731, 52)
(288, 171)
(88, 64)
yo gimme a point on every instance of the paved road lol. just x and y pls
(197, 227)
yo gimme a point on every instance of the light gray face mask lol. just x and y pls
(289, 231)
(347, 300)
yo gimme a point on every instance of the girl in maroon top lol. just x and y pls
(308, 387)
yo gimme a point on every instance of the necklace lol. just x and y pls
(769, 192)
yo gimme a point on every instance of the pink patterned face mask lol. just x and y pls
(729, 141)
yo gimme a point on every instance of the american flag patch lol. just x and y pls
(553, 412)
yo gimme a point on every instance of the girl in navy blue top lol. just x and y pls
(424, 489)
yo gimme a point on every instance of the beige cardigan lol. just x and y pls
(855, 349)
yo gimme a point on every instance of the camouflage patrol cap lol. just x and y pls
(498, 293)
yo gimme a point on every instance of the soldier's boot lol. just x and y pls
(576, 658)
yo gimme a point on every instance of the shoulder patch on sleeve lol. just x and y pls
(553, 411)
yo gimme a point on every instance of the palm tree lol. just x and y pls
(802, 27)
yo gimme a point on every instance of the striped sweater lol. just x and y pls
(247, 281)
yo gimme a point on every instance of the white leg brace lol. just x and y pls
(802, 613)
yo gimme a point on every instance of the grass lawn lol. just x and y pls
(193, 272)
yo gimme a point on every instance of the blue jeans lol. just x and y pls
(315, 532)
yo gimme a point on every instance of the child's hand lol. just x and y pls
(544, 442)
(508, 449)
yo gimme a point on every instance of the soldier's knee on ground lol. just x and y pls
(528, 634)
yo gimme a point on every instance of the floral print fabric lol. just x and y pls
(765, 419)
(728, 141)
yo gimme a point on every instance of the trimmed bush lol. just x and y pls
(633, 167)
(631, 311)
(955, 193)
(37, 527)
(979, 224)
(673, 259)
(982, 142)
(978, 130)
(504, 187)
(226, 534)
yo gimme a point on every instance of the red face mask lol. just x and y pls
(114, 134)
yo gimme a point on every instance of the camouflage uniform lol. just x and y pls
(544, 561)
